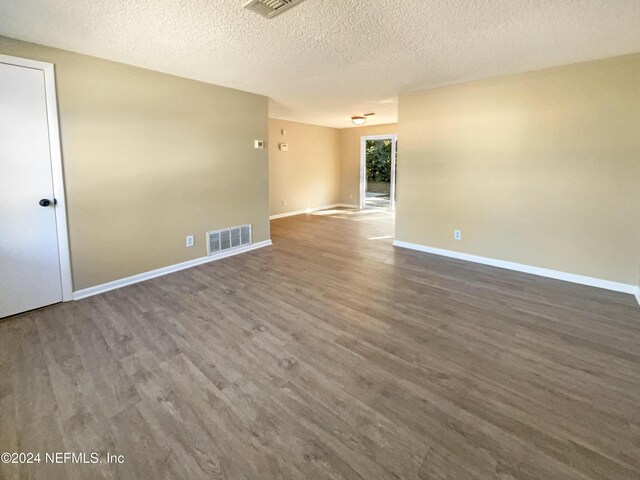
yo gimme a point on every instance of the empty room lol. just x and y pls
(315, 239)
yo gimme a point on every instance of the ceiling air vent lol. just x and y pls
(270, 8)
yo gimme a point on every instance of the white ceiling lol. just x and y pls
(325, 60)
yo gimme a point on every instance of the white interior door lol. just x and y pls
(30, 270)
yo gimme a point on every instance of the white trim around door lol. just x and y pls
(56, 166)
(363, 164)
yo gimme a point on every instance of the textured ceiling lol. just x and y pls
(325, 60)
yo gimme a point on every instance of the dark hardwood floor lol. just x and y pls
(329, 355)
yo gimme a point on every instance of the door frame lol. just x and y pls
(57, 173)
(363, 166)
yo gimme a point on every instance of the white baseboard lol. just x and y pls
(311, 210)
(141, 277)
(638, 295)
(519, 267)
(349, 205)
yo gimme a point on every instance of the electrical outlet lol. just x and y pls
(457, 234)
(190, 240)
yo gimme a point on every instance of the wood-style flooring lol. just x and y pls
(330, 355)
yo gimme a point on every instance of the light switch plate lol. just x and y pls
(258, 144)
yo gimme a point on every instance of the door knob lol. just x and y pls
(45, 202)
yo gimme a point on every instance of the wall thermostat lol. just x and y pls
(258, 144)
(284, 147)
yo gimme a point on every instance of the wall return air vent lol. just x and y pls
(228, 239)
(270, 8)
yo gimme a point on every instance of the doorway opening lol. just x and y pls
(378, 171)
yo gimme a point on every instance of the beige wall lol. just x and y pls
(308, 175)
(541, 168)
(148, 159)
(350, 158)
(322, 166)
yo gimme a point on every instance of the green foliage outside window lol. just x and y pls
(379, 160)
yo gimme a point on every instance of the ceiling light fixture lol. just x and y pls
(361, 120)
